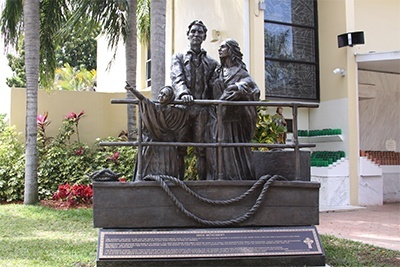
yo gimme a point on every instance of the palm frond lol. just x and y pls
(143, 21)
(12, 22)
(53, 17)
(110, 15)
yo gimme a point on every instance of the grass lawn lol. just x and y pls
(45, 237)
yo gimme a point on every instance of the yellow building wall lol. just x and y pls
(101, 119)
(331, 23)
(257, 46)
(237, 19)
(338, 94)
(225, 16)
(381, 33)
(380, 21)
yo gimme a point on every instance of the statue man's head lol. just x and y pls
(197, 33)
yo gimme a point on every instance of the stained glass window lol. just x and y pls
(291, 49)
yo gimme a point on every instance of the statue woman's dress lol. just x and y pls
(238, 123)
(161, 123)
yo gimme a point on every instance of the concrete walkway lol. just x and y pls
(375, 225)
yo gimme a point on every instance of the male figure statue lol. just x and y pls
(191, 75)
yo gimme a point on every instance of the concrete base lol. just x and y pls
(314, 260)
(147, 205)
(272, 246)
(283, 163)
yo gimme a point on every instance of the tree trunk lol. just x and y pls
(157, 45)
(131, 62)
(32, 47)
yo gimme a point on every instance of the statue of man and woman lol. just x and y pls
(196, 76)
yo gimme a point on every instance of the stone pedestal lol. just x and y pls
(282, 163)
(146, 207)
(280, 246)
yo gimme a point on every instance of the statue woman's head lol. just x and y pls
(231, 49)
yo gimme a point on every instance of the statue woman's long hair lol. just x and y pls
(235, 54)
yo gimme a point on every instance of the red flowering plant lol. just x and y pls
(74, 195)
(114, 157)
(73, 118)
(79, 151)
(42, 123)
(114, 162)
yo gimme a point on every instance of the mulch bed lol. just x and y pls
(62, 205)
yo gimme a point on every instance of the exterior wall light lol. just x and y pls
(339, 71)
(350, 39)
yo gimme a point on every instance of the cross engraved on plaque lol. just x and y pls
(309, 242)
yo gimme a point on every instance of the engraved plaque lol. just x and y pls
(206, 243)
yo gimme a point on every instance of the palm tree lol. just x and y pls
(118, 22)
(111, 15)
(157, 45)
(130, 59)
(115, 22)
(18, 14)
(32, 48)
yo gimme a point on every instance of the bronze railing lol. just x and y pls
(219, 145)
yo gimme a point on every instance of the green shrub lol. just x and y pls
(63, 161)
(190, 165)
(120, 159)
(267, 130)
(70, 163)
(60, 160)
(12, 163)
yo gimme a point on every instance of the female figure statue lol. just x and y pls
(233, 83)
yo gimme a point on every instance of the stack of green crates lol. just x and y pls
(325, 158)
(322, 132)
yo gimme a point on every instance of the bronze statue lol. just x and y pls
(191, 76)
(196, 76)
(161, 122)
(234, 83)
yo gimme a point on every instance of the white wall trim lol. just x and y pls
(378, 56)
